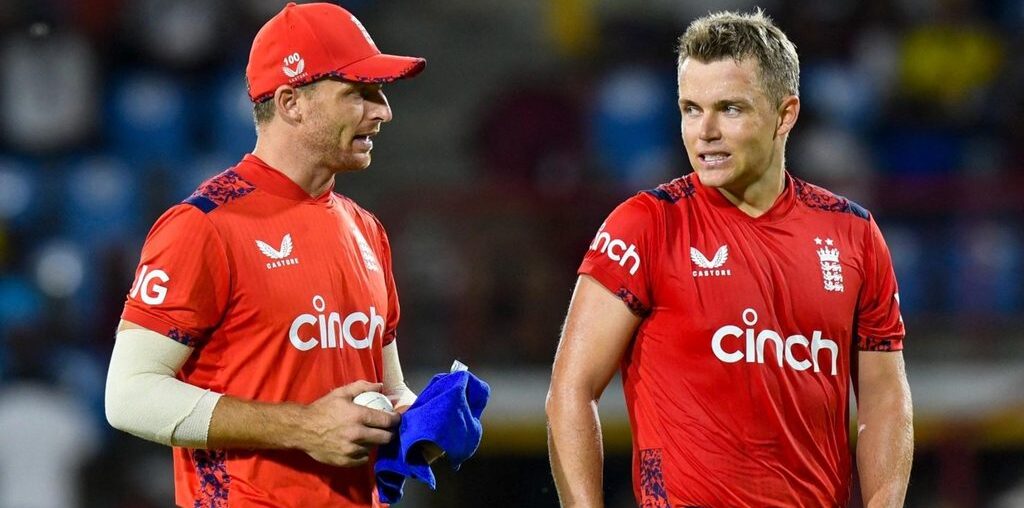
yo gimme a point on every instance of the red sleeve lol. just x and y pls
(181, 284)
(390, 329)
(879, 324)
(621, 256)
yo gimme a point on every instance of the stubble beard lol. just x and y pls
(324, 145)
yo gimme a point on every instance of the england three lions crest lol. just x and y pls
(831, 270)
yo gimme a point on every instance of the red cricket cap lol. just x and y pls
(304, 43)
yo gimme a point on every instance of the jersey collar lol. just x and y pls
(782, 206)
(275, 182)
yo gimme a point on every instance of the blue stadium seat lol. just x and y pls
(21, 196)
(635, 126)
(148, 120)
(231, 121)
(103, 201)
(21, 304)
(986, 267)
(910, 261)
(840, 93)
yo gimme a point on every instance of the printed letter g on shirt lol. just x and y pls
(616, 250)
(148, 288)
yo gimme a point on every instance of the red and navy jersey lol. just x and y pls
(284, 297)
(737, 381)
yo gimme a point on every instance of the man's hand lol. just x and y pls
(342, 433)
(333, 429)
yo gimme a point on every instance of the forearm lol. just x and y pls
(238, 423)
(576, 450)
(885, 450)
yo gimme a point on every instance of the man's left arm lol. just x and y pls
(885, 428)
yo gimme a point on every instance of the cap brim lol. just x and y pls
(383, 68)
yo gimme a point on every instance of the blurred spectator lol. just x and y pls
(178, 33)
(48, 90)
(47, 434)
(951, 58)
(573, 26)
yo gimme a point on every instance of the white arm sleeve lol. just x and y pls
(394, 381)
(144, 398)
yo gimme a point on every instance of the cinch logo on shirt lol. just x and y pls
(146, 287)
(330, 326)
(616, 250)
(755, 344)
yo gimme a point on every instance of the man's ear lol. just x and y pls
(286, 104)
(789, 111)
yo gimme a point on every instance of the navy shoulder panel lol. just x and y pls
(675, 190)
(821, 199)
(218, 190)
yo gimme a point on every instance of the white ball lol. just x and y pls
(374, 400)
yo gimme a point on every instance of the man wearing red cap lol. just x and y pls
(264, 303)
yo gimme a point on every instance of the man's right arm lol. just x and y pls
(598, 328)
(332, 430)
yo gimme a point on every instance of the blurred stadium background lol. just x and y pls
(532, 120)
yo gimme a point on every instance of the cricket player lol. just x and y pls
(740, 303)
(265, 302)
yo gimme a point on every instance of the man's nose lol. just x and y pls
(380, 109)
(709, 127)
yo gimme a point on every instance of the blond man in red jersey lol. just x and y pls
(265, 302)
(740, 302)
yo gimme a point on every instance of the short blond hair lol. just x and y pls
(728, 34)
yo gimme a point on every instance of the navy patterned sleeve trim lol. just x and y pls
(652, 480)
(675, 190)
(214, 480)
(876, 344)
(821, 199)
(218, 190)
(183, 337)
(633, 302)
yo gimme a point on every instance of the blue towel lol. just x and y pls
(447, 413)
